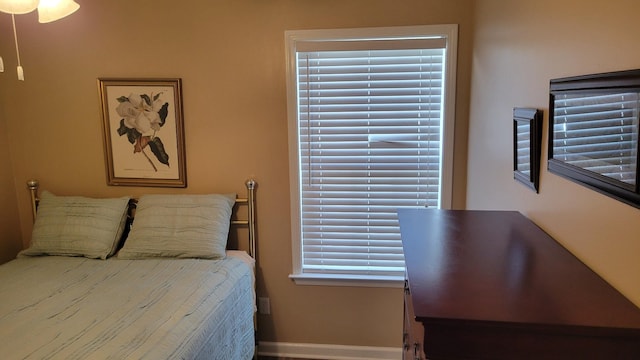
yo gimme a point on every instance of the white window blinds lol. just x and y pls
(366, 138)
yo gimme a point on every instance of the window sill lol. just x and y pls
(348, 280)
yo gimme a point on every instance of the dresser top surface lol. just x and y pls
(499, 266)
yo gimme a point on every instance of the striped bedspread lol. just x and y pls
(58, 307)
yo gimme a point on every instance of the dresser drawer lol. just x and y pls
(413, 334)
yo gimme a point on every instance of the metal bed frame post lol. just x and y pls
(251, 225)
(250, 222)
(33, 189)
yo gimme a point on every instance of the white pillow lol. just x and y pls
(77, 226)
(181, 226)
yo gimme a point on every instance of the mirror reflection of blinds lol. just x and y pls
(523, 131)
(370, 143)
(603, 127)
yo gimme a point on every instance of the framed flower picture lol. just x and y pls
(143, 132)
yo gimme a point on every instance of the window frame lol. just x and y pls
(448, 32)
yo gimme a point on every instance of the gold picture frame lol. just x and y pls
(143, 132)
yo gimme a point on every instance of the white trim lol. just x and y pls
(449, 32)
(347, 280)
(294, 151)
(449, 114)
(328, 352)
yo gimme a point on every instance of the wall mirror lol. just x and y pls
(527, 135)
(593, 132)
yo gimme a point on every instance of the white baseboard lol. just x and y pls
(328, 352)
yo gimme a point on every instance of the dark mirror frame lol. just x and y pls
(527, 139)
(585, 89)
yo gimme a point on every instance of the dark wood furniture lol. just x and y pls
(493, 285)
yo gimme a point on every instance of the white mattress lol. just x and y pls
(75, 308)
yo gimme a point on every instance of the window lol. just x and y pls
(370, 131)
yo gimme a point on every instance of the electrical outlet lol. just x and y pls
(264, 306)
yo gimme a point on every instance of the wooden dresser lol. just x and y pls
(493, 285)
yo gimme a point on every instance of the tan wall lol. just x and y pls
(518, 47)
(230, 55)
(10, 237)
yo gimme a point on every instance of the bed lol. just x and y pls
(91, 286)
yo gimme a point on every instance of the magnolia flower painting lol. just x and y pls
(143, 132)
(142, 117)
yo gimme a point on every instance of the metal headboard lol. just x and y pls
(249, 202)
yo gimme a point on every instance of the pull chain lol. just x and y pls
(15, 37)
